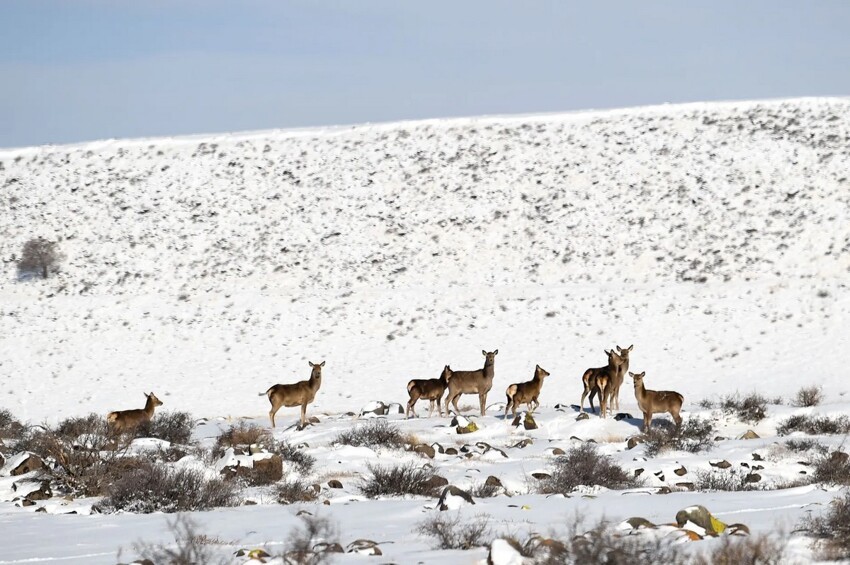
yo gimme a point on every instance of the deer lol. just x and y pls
(526, 392)
(479, 381)
(126, 420)
(429, 389)
(596, 381)
(656, 401)
(613, 388)
(301, 393)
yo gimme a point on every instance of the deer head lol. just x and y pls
(624, 353)
(153, 399)
(489, 358)
(540, 372)
(316, 373)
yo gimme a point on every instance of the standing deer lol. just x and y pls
(430, 389)
(596, 381)
(301, 393)
(471, 382)
(656, 401)
(614, 387)
(526, 392)
(125, 420)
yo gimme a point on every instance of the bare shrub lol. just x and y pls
(805, 444)
(814, 425)
(243, 434)
(832, 529)
(39, 257)
(694, 435)
(153, 487)
(833, 469)
(483, 490)
(729, 479)
(297, 490)
(398, 480)
(751, 408)
(808, 396)
(584, 465)
(173, 427)
(374, 433)
(189, 548)
(10, 427)
(303, 462)
(310, 543)
(451, 531)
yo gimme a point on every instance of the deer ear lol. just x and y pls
(483, 352)
(496, 352)
(310, 363)
(606, 352)
(643, 374)
(322, 364)
(632, 375)
(631, 346)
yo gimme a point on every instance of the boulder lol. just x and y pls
(451, 451)
(540, 476)
(838, 458)
(364, 547)
(686, 486)
(395, 408)
(526, 420)
(503, 552)
(493, 481)
(757, 456)
(24, 463)
(435, 482)
(623, 416)
(737, 530)
(328, 547)
(376, 408)
(438, 448)
(558, 451)
(634, 441)
(722, 464)
(681, 471)
(453, 498)
(258, 554)
(752, 478)
(486, 447)
(32, 490)
(749, 434)
(425, 449)
(700, 517)
(637, 523)
(464, 426)
(582, 416)
(270, 467)
(524, 443)
(334, 483)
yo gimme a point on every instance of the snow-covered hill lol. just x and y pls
(715, 237)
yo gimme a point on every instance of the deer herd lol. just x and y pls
(603, 382)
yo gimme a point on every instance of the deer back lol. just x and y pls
(479, 380)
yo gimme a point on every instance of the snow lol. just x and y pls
(713, 237)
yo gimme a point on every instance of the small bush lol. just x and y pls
(751, 409)
(814, 425)
(832, 530)
(832, 469)
(399, 480)
(375, 433)
(303, 462)
(584, 465)
(190, 548)
(694, 435)
(153, 487)
(244, 434)
(10, 427)
(39, 257)
(289, 492)
(805, 445)
(808, 396)
(723, 480)
(173, 427)
(454, 532)
(308, 544)
(483, 490)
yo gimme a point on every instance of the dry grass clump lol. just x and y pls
(243, 434)
(295, 490)
(584, 465)
(374, 433)
(808, 396)
(751, 409)
(451, 531)
(814, 425)
(398, 480)
(694, 435)
(832, 529)
(173, 427)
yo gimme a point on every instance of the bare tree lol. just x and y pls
(39, 256)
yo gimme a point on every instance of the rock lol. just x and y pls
(438, 448)
(454, 498)
(435, 482)
(327, 547)
(702, 518)
(425, 449)
(638, 472)
(663, 490)
(752, 478)
(270, 467)
(258, 554)
(659, 475)
(493, 481)
(24, 463)
(451, 451)
(467, 429)
(313, 419)
(634, 441)
(749, 434)
(757, 457)
(2, 459)
(540, 476)
(526, 420)
(395, 408)
(377, 408)
(503, 552)
(681, 471)
(738, 530)
(637, 523)
(334, 483)
(622, 416)
(576, 438)
(838, 458)
(524, 443)
(486, 447)
(582, 416)
(364, 547)
(32, 490)
(758, 467)
(723, 464)
(558, 451)
(686, 486)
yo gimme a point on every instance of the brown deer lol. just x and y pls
(126, 420)
(614, 387)
(526, 392)
(301, 393)
(430, 389)
(656, 401)
(596, 381)
(471, 382)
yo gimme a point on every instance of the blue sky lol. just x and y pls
(81, 70)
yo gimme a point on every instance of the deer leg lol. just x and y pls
(602, 404)
(676, 418)
(430, 407)
(454, 403)
(583, 396)
(303, 415)
(439, 406)
(482, 400)
(414, 396)
(272, 412)
(647, 420)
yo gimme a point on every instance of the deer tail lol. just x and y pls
(410, 386)
(112, 417)
(267, 393)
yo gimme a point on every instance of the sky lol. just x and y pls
(79, 70)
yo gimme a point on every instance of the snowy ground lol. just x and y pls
(714, 237)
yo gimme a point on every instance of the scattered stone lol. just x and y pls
(719, 438)
(439, 448)
(526, 420)
(757, 467)
(257, 554)
(659, 475)
(700, 516)
(24, 463)
(634, 441)
(749, 434)
(326, 547)
(576, 438)
(681, 471)
(503, 552)
(638, 472)
(723, 464)
(752, 478)
(838, 458)
(663, 490)
(364, 547)
(757, 457)
(622, 416)
(395, 408)
(485, 447)
(582, 416)
(738, 530)
(435, 482)
(637, 523)
(377, 408)
(451, 451)
(313, 419)
(493, 482)
(33, 490)
(686, 486)
(334, 483)
(271, 467)
(425, 449)
(558, 451)
(540, 476)
(454, 498)
(465, 426)
(524, 443)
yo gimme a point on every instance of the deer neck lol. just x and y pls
(640, 392)
(489, 370)
(315, 382)
(149, 407)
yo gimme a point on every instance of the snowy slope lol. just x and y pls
(713, 236)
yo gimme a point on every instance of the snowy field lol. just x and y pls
(713, 237)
